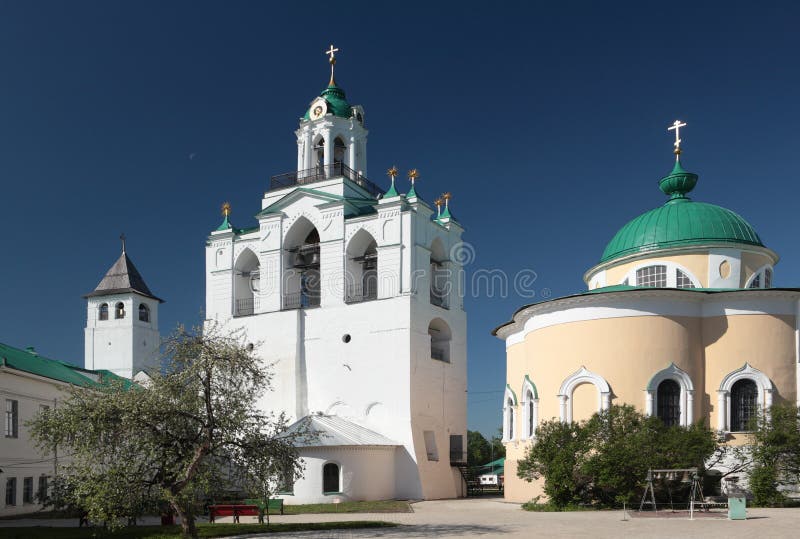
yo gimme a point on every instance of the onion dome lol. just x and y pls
(680, 222)
(335, 100)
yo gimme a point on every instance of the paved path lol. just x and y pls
(495, 518)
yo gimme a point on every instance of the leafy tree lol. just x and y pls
(557, 456)
(131, 447)
(604, 460)
(481, 451)
(776, 453)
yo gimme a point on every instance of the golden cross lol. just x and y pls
(226, 209)
(413, 174)
(331, 52)
(677, 128)
(392, 172)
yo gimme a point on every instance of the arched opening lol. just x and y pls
(119, 311)
(668, 402)
(330, 478)
(652, 276)
(246, 283)
(102, 313)
(440, 278)
(144, 313)
(508, 420)
(580, 377)
(440, 335)
(302, 277)
(744, 404)
(319, 155)
(339, 152)
(361, 277)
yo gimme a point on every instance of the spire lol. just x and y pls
(438, 202)
(226, 211)
(122, 239)
(392, 192)
(446, 212)
(332, 60)
(121, 278)
(678, 182)
(413, 174)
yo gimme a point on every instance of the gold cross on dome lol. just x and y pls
(392, 172)
(676, 126)
(331, 52)
(226, 209)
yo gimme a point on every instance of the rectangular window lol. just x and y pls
(12, 418)
(652, 276)
(41, 492)
(457, 453)
(11, 491)
(430, 445)
(27, 490)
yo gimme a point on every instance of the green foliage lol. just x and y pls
(481, 451)
(130, 449)
(604, 460)
(775, 453)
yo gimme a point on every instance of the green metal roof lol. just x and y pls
(680, 222)
(337, 102)
(31, 362)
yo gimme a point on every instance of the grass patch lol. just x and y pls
(174, 532)
(551, 508)
(384, 506)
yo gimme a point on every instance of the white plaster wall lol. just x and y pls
(366, 473)
(715, 258)
(18, 456)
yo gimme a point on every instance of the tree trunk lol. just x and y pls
(187, 520)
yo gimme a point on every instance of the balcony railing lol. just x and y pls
(300, 300)
(324, 172)
(439, 299)
(359, 293)
(246, 306)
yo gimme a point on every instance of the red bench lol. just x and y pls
(232, 510)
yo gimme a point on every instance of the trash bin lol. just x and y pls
(737, 507)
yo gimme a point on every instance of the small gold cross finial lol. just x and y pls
(332, 60)
(122, 239)
(676, 126)
(392, 172)
(446, 196)
(226, 209)
(413, 174)
(438, 202)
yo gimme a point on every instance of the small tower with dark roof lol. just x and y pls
(121, 333)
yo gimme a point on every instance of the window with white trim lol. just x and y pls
(744, 405)
(652, 276)
(12, 418)
(682, 280)
(530, 415)
(762, 278)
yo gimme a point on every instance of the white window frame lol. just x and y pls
(673, 372)
(509, 410)
(672, 274)
(529, 406)
(582, 376)
(746, 372)
(761, 272)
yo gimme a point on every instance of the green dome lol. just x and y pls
(337, 102)
(680, 222)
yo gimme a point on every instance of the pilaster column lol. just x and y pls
(689, 406)
(648, 402)
(722, 411)
(605, 401)
(562, 404)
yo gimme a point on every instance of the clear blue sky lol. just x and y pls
(547, 121)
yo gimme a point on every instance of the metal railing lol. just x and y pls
(457, 456)
(440, 299)
(246, 306)
(324, 172)
(359, 293)
(300, 300)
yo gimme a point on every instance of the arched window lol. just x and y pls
(761, 278)
(330, 478)
(440, 335)
(319, 152)
(119, 310)
(103, 312)
(246, 283)
(668, 402)
(144, 313)
(440, 280)
(740, 396)
(744, 404)
(509, 408)
(652, 276)
(362, 268)
(338, 154)
(302, 279)
(583, 376)
(530, 410)
(682, 280)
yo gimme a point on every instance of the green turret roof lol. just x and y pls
(680, 222)
(337, 102)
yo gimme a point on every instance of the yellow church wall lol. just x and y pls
(751, 263)
(695, 263)
(628, 351)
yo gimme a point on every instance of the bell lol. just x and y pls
(314, 259)
(685, 478)
(299, 259)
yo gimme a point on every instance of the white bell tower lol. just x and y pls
(332, 136)
(121, 332)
